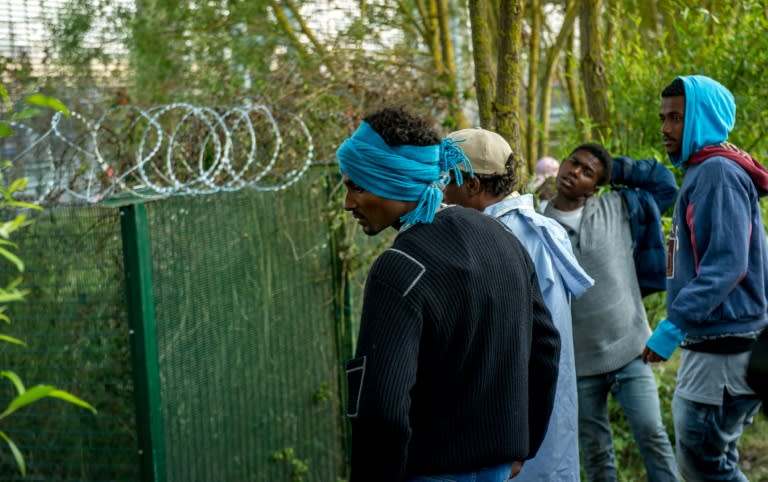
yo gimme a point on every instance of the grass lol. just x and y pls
(754, 450)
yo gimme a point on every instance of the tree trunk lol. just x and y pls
(550, 70)
(446, 42)
(433, 35)
(571, 81)
(592, 68)
(305, 29)
(532, 131)
(285, 24)
(449, 63)
(319, 46)
(485, 86)
(508, 83)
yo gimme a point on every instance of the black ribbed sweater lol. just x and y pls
(456, 359)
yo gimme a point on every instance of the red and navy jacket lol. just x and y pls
(717, 275)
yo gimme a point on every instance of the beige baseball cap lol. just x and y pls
(487, 151)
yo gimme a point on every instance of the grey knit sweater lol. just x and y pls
(457, 356)
(610, 326)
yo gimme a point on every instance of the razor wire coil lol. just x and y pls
(166, 150)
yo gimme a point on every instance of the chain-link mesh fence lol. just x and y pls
(74, 322)
(246, 334)
(246, 307)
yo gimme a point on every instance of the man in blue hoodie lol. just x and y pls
(717, 277)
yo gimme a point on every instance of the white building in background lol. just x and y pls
(22, 30)
(25, 32)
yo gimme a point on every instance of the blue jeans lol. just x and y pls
(634, 387)
(498, 473)
(707, 436)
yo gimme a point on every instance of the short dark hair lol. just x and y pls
(498, 184)
(398, 127)
(602, 155)
(675, 89)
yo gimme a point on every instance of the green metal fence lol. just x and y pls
(233, 297)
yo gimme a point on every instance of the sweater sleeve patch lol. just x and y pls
(400, 270)
(355, 375)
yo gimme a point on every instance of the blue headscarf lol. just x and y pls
(710, 114)
(403, 173)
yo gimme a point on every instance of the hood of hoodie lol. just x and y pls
(710, 114)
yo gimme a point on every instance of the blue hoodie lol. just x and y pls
(710, 114)
(717, 273)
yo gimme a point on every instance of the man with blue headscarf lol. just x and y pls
(717, 278)
(454, 330)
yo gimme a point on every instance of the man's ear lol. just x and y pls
(473, 185)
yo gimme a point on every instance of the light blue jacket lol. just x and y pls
(560, 277)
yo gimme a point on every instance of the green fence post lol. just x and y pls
(343, 311)
(141, 314)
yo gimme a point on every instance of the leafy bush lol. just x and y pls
(11, 291)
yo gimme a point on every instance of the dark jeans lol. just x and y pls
(707, 436)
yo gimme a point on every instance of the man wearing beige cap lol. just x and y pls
(559, 276)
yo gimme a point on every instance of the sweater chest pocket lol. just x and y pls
(355, 369)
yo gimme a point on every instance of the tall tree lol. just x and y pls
(498, 96)
(551, 63)
(593, 68)
(484, 60)
(509, 80)
(448, 53)
(532, 89)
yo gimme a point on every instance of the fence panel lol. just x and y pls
(245, 315)
(246, 307)
(74, 321)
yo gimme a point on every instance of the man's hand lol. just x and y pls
(517, 466)
(663, 342)
(650, 356)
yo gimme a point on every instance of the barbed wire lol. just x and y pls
(162, 151)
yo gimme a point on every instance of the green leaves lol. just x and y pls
(15, 380)
(38, 100)
(10, 339)
(9, 227)
(4, 98)
(41, 100)
(8, 295)
(39, 392)
(16, 453)
(12, 258)
(5, 130)
(27, 397)
(26, 114)
(6, 229)
(10, 292)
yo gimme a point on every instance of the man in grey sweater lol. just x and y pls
(610, 326)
